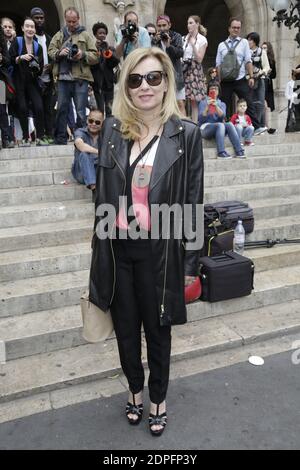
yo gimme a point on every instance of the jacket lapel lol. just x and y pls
(168, 152)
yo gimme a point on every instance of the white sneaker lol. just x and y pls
(260, 130)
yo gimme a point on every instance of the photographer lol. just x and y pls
(46, 79)
(171, 43)
(103, 72)
(152, 31)
(131, 36)
(73, 51)
(27, 58)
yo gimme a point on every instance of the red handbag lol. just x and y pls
(193, 292)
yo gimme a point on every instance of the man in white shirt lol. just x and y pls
(242, 86)
(38, 16)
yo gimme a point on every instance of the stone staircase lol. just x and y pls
(45, 232)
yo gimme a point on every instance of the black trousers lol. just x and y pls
(28, 92)
(4, 124)
(48, 98)
(135, 303)
(104, 100)
(242, 90)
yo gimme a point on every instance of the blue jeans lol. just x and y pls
(245, 132)
(78, 90)
(219, 130)
(84, 168)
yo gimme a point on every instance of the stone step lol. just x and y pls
(251, 163)
(17, 196)
(45, 261)
(35, 164)
(52, 151)
(251, 192)
(277, 228)
(256, 150)
(214, 179)
(42, 293)
(35, 178)
(62, 163)
(278, 257)
(60, 290)
(275, 207)
(271, 287)
(241, 177)
(41, 235)
(56, 370)
(45, 212)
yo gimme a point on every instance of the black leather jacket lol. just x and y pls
(177, 177)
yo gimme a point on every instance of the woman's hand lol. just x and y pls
(27, 57)
(189, 280)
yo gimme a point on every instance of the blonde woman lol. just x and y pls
(148, 157)
(194, 47)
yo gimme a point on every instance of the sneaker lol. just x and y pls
(42, 142)
(24, 143)
(260, 130)
(272, 131)
(240, 154)
(249, 143)
(224, 155)
(50, 140)
(6, 144)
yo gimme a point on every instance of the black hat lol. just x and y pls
(36, 11)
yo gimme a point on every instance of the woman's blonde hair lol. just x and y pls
(123, 107)
(202, 29)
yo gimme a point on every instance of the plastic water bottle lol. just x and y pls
(239, 238)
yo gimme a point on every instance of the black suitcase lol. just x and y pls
(228, 213)
(225, 277)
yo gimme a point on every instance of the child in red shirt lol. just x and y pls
(243, 123)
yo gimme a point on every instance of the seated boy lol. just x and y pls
(243, 123)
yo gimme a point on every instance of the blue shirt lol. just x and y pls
(143, 41)
(83, 133)
(210, 118)
(243, 53)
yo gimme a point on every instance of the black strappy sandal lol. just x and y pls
(136, 410)
(157, 420)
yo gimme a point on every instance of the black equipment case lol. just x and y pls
(225, 277)
(228, 213)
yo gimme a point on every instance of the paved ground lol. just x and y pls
(237, 407)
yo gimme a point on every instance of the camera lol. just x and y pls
(73, 50)
(129, 30)
(164, 36)
(34, 65)
(186, 64)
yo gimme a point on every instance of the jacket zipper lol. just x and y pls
(111, 244)
(162, 307)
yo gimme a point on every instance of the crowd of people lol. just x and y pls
(51, 83)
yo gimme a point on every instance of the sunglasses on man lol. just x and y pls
(95, 121)
(152, 78)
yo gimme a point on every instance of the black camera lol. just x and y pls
(73, 51)
(186, 64)
(164, 36)
(34, 65)
(129, 30)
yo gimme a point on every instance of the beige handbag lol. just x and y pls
(97, 324)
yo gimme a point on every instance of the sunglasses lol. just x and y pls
(152, 78)
(152, 34)
(95, 121)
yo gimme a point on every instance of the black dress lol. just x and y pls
(269, 94)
